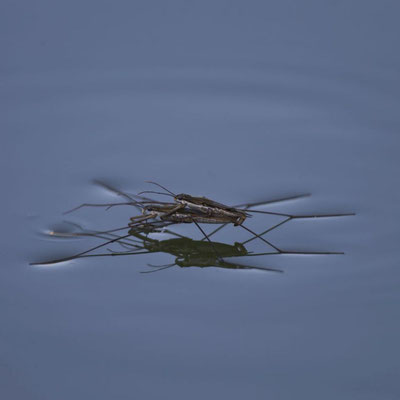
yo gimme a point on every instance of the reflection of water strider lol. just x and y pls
(188, 252)
(198, 253)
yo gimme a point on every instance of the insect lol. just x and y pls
(142, 229)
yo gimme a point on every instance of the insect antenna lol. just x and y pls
(152, 191)
(162, 187)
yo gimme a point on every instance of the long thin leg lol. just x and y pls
(279, 200)
(100, 235)
(115, 230)
(140, 218)
(132, 200)
(81, 253)
(108, 205)
(114, 190)
(178, 207)
(159, 269)
(212, 244)
(261, 234)
(300, 216)
(107, 235)
(261, 238)
(97, 232)
(174, 233)
(123, 194)
(226, 264)
(268, 230)
(247, 207)
(223, 225)
(124, 253)
(288, 252)
(216, 230)
(323, 216)
(317, 253)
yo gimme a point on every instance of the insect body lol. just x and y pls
(169, 212)
(211, 208)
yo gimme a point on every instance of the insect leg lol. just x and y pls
(178, 207)
(81, 253)
(301, 216)
(219, 258)
(122, 194)
(279, 200)
(159, 269)
(268, 230)
(288, 251)
(216, 230)
(108, 205)
(261, 238)
(226, 264)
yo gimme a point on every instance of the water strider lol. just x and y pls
(194, 253)
(213, 251)
(201, 210)
(187, 252)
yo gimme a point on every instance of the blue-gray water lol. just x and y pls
(238, 101)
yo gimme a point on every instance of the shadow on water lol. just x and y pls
(141, 234)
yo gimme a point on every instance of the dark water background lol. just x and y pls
(238, 101)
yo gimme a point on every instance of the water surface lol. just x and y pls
(236, 103)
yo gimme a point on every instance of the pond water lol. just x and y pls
(239, 102)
